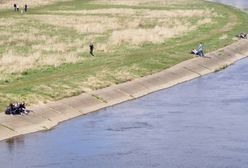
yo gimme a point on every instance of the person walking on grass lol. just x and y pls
(200, 50)
(91, 45)
(17, 8)
(25, 8)
(14, 7)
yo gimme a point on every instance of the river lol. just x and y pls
(202, 123)
(243, 4)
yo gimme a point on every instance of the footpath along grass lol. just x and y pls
(44, 53)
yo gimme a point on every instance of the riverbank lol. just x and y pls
(44, 53)
(48, 115)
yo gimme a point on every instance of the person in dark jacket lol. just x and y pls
(14, 7)
(25, 8)
(91, 45)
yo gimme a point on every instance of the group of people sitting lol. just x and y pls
(16, 109)
(243, 35)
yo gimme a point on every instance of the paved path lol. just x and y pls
(49, 115)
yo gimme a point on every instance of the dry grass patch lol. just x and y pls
(95, 82)
(53, 90)
(84, 24)
(223, 37)
(33, 49)
(140, 36)
(112, 11)
(205, 21)
(6, 4)
(195, 13)
(102, 79)
(31, 98)
(168, 24)
(127, 73)
(6, 22)
(11, 62)
(163, 24)
(146, 2)
(125, 12)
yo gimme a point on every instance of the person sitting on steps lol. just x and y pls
(16, 109)
(194, 51)
(242, 35)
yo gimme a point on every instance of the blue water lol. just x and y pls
(243, 4)
(199, 124)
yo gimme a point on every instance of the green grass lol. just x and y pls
(52, 83)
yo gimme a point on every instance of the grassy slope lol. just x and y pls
(65, 80)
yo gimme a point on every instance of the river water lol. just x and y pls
(202, 123)
(243, 4)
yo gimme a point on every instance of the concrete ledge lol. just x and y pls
(20, 125)
(112, 96)
(49, 115)
(196, 68)
(133, 89)
(6, 133)
(84, 103)
(65, 110)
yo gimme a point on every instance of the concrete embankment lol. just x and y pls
(49, 115)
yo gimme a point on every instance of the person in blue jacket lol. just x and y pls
(200, 50)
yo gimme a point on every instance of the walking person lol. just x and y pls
(17, 8)
(200, 50)
(25, 8)
(91, 45)
(14, 7)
